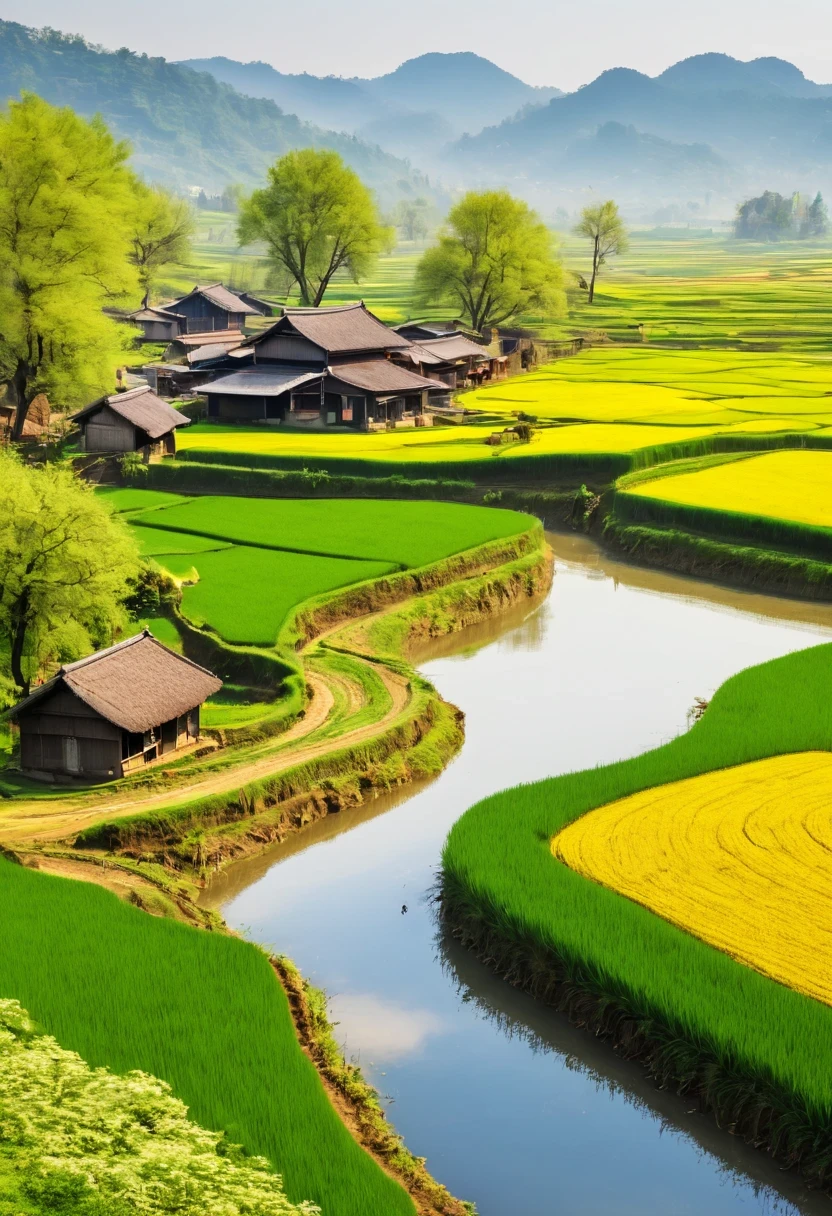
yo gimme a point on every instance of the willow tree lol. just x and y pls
(160, 233)
(66, 565)
(494, 260)
(66, 202)
(602, 224)
(316, 217)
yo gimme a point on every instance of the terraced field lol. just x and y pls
(793, 486)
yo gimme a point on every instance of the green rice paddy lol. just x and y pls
(500, 873)
(203, 1011)
(248, 563)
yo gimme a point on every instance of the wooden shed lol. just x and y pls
(130, 422)
(116, 711)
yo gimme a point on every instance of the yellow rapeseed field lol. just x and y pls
(741, 858)
(779, 485)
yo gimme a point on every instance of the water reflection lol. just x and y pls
(513, 1108)
(543, 1030)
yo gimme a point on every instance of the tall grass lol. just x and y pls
(204, 1012)
(501, 880)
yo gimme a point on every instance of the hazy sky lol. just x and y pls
(542, 41)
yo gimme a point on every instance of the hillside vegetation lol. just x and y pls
(186, 128)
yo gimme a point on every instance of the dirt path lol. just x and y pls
(41, 822)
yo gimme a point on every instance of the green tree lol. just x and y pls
(817, 217)
(494, 260)
(413, 217)
(316, 217)
(602, 224)
(66, 565)
(65, 206)
(768, 217)
(161, 233)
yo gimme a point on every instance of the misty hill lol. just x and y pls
(766, 136)
(725, 74)
(186, 128)
(458, 92)
(329, 101)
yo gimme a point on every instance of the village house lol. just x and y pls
(157, 324)
(451, 357)
(116, 711)
(209, 309)
(323, 367)
(135, 421)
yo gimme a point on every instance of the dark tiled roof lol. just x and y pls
(260, 381)
(382, 376)
(221, 296)
(454, 346)
(135, 685)
(154, 314)
(347, 329)
(142, 408)
(226, 337)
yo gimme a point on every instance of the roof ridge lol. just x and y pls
(100, 654)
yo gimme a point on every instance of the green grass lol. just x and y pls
(500, 872)
(129, 499)
(202, 1011)
(246, 594)
(405, 534)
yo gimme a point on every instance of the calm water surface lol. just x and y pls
(514, 1108)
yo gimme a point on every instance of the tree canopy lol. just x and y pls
(160, 233)
(66, 202)
(315, 217)
(493, 261)
(66, 565)
(601, 223)
(775, 217)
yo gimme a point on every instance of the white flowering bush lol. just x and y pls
(85, 1142)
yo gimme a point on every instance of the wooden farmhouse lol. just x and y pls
(135, 421)
(211, 308)
(112, 713)
(321, 367)
(454, 359)
(157, 324)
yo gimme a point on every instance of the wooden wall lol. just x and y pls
(105, 431)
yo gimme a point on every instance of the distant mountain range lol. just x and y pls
(186, 128)
(444, 95)
(706, 132)
(741, 126)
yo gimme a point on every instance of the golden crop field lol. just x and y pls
(741, 858)
(782, 485)
(737, 389)
(434, 445)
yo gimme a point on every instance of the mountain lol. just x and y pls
(722, 73)
(330, 101)
(468, 91)
(462, 91)
(762, 124)
(186, 128)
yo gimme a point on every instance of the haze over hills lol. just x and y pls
(762, 125)
(413, 110)
(186, 128)
(704, 133)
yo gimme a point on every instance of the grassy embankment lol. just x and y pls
(751, 1050)
(202, 1011)
(764, 518)
(214, 1023)
(372, 723)
(95, 1148)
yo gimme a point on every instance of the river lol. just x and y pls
(514, 1108)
